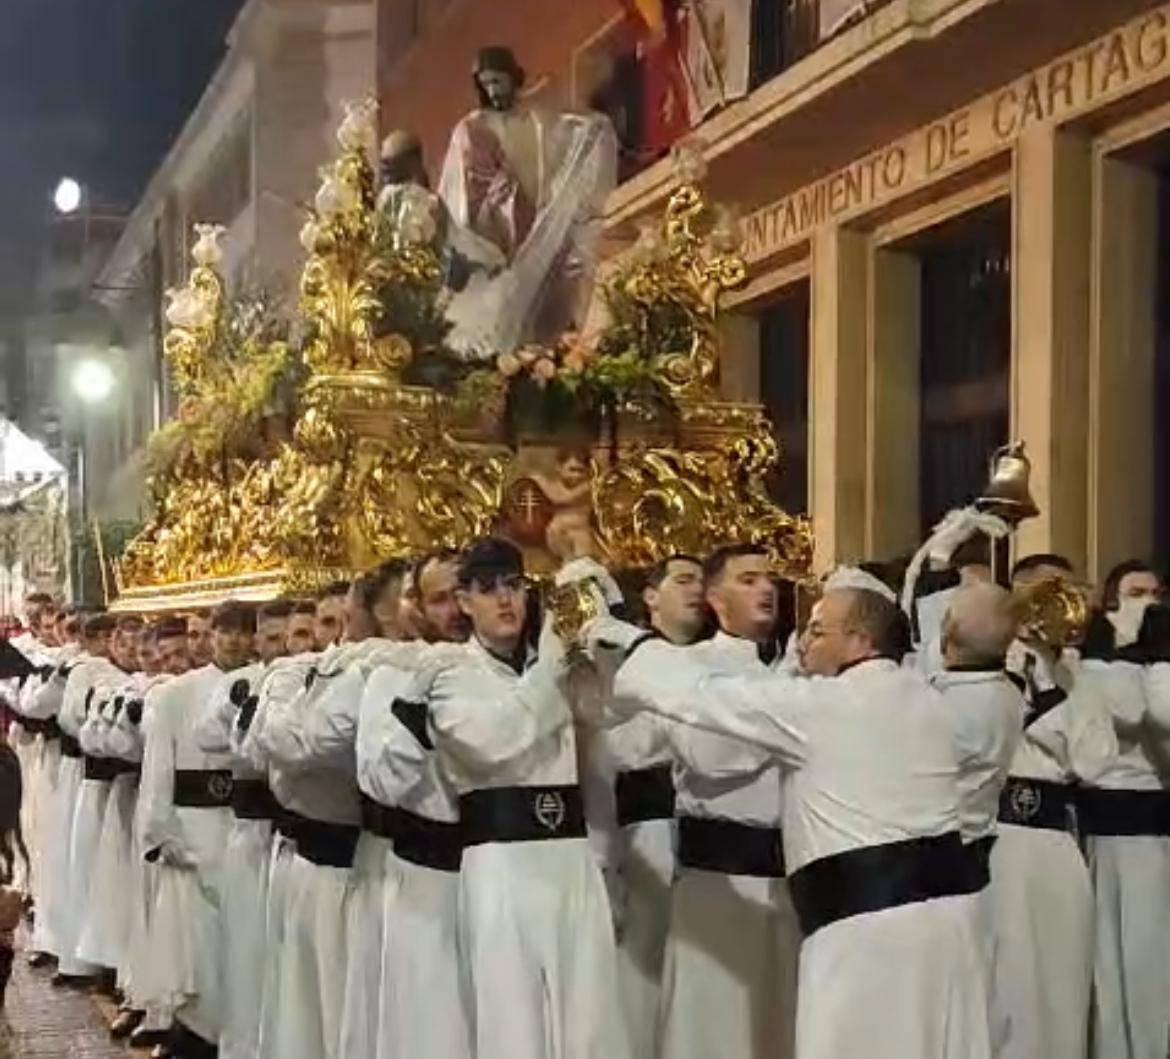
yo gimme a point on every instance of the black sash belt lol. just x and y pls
(203, 788)
(645, 794)
(874, 878)
(286, 821)
(1107, 812)
(521, 814)
(330, 845)
(252, 800)
(730, 847)
(46, 726)
(1038, 803)
(430, 843)
(980, 853)
(101, 768)
(70, 747)
(126, 768)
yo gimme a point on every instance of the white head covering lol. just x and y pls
(853, 577)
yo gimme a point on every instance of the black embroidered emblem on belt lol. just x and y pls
(219, 787)
(1025, 801)
(549, 809)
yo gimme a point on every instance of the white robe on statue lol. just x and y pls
(868, 760)
(189, 843)
(535, 924)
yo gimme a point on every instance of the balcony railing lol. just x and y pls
(785, 31)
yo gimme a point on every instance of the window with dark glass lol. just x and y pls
(966, 357)
(1161, 394)
(784, 391)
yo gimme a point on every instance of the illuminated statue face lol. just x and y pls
(499, 88)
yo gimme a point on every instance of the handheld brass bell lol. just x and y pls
(1007, 494)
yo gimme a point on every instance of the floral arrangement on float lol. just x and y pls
(232, 365)
(290, 464)
(658, 342)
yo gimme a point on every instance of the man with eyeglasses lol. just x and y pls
(890, 965)
(536, 929)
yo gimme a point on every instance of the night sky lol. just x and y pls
(97, 90)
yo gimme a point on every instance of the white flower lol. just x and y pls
(309, 234)
(207, 252)
(356, 131)
(188, 310)
(335, 196)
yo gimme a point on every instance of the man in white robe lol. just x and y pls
(730, 976)
(535, 923)
(104, 901)
(80, 800)
(312, 857)
(986, 706)
(1125, 815)
(284, 678)
(890, 965)
(312, 735)
(41, 702)
(186, 820)
(640, 751)
(249, 847)
(410, 820)
(149, 1021)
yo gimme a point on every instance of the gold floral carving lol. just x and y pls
(374, 468)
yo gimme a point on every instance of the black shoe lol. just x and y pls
(107, 985)
(71, 981)
(144, 1038)
(126, 1023)
(39, 959)
(187, 1044)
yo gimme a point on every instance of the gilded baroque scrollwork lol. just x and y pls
(370, 467)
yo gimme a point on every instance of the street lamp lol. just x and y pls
(67, 197)
(93, 380)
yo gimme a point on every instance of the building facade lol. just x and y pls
(957, 219)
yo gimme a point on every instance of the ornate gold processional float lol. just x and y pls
(295, 461)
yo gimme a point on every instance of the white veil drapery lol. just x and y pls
(496, 314)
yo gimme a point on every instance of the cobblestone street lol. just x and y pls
(50, 1023)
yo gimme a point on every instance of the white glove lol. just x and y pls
(609, 634)
(959, 526)
(585, 569)
(175, 856)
